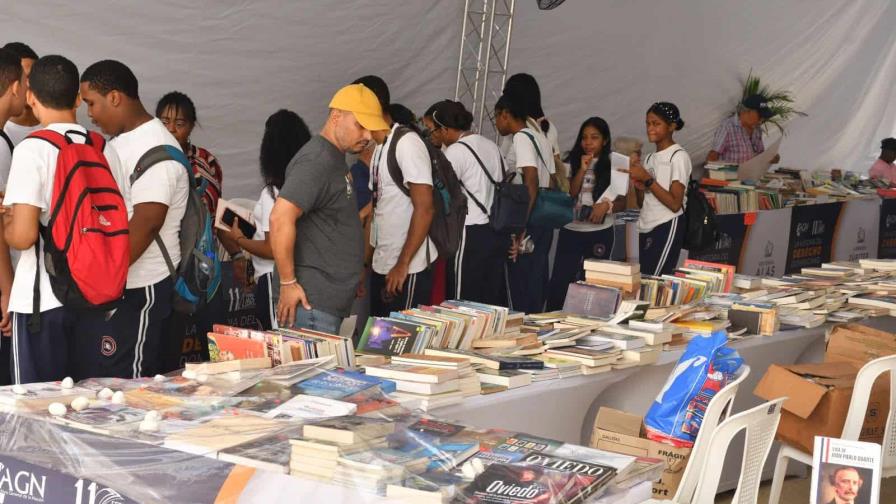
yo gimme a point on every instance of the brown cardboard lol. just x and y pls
(859, 344)
(619, 432)
(818, 395)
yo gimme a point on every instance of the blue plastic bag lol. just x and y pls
(705, 368)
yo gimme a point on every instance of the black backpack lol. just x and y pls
(448, 198)
(510, 206)
(197, 277)
(700, 220)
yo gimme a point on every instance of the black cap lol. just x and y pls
(759, 104)
(888, 144)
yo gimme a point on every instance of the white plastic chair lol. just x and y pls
(717, 410)
(761, 423)
(855, 417)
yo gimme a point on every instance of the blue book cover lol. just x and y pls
(336, 384)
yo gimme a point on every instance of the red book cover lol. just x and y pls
(224, 347)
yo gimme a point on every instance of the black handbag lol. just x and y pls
(510, 205)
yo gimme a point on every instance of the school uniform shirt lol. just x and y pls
(262, 216)
(17, 132)
(166, 183)
(31, 183)
(393, 210)
(586, 199)
(5, 161)
(522, 153)
(471, 173)
(665, 167)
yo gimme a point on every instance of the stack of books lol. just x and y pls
(621, 275)
(467, 382)
(423, 386)
(281, 347)
(326, 449)
(716, 170)
(688, 284)
(593, 361)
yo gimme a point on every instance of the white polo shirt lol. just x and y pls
(262, 216)
(471, 173)
(166, 183)
(392, 214)
(31, 178)
(665, 166)
(523, 153)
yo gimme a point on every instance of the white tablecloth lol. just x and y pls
(564, 409)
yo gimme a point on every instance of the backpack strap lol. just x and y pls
(487, 174)
(54, 138)
(149, 159)
(392, 160)
(8, 141)
(537, 150)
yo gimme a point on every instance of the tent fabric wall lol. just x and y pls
(241, 60)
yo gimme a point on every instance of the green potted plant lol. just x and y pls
(780, 100)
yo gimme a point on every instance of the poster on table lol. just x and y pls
(887, 229)
(764, 252)
(856, 235)
(729, 242)
(238, 305)
(812, 230)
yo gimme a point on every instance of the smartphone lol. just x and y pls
(245, 226)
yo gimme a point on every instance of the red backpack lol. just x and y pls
(86, 248)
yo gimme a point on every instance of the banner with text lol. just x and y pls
(887, 229)
(21, 482)
(857, 231)
(812, 230)
(729, 242)
(765, 244)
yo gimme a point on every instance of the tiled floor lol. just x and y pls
(796, 491)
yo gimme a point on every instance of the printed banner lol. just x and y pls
(232, 306)
(856, 235)
(764, 252)
(812, 230)
(21, 482)
(728, 244)
(887, 229)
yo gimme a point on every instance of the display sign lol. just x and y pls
(812, 230)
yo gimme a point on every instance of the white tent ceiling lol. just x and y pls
(241, 60)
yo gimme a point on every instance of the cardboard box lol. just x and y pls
(818, 398)
(620, 432)
(859, 344)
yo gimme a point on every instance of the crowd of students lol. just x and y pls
(327, 233)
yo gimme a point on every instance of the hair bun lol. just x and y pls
(679, 124)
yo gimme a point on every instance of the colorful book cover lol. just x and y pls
(512, 484)
(371, 400)
(336, 385)
(223, 347)
(388, 336)
(435, 428)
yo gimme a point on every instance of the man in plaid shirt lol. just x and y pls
(739, 138)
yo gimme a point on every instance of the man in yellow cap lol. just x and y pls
(316, 235)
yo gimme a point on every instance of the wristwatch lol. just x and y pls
(237, 256)
(649, 182)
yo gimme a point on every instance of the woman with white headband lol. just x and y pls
(661, 186)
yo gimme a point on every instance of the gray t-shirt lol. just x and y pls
(329, 249)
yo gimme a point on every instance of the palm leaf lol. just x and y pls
(779, 100)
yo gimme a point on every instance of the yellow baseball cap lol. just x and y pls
(360, 100)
